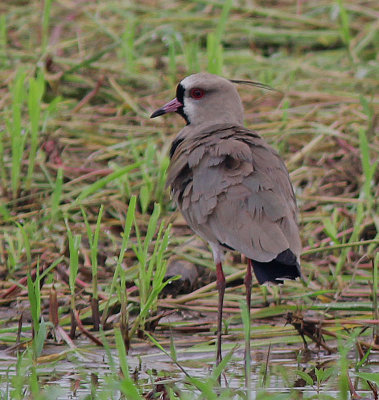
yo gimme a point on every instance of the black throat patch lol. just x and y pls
(180, 97)
(174, 145)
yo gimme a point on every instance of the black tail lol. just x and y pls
(285, 265)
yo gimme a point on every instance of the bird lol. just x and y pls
(232, 188)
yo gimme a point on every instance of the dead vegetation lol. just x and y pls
(104, 67)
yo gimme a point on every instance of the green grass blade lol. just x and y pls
(130, 216)
(57, 195)
(375, 290)
(45, 24)
(15, 130)
(368, 167)
(36, 91)
(40, 338)
(369, 376)
(74, 246)
(94, 251)
(221, 25)
(245, 313)
(35, 301)
(344, 23)
(3, 35)
(104, 181)
(127, 44)
(127, 385)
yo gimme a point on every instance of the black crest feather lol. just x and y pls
(253, 83)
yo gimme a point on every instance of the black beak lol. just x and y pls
(157, 113)
(171, 106)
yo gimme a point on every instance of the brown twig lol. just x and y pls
(85, 331)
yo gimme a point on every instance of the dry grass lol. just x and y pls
(110, 64)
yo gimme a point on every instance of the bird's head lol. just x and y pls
(205, 98)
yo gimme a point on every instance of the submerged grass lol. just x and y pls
(84, 213)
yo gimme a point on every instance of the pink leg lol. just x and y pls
(221, 290)
(248, 285)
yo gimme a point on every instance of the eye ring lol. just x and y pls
(197, 93)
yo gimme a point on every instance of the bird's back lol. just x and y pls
(234, 191)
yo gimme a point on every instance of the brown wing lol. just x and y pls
(234, 190)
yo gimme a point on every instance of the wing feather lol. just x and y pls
(234, 189)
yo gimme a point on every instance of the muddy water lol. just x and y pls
(70, 378)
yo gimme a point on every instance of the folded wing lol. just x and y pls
(234, 191)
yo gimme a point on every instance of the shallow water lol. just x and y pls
(70, 378)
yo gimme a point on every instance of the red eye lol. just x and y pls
(197, 93)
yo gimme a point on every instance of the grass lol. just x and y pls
(86, 223)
